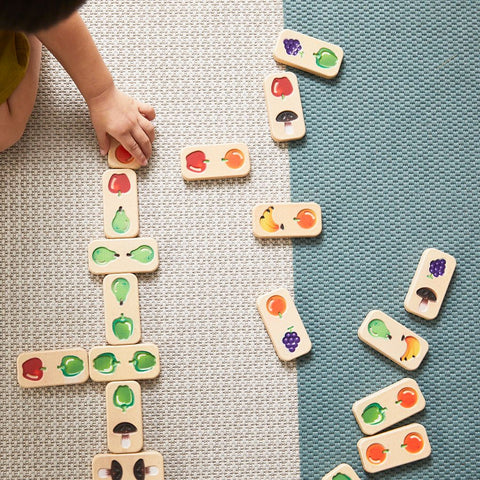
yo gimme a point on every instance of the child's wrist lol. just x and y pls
(98, 93)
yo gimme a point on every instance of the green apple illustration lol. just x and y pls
(143, 361)
(105, 363)
(341, 476)
(377, 328)
(122, 327)
(71, 366)
(374, 414)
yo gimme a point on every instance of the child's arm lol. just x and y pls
(112, 111)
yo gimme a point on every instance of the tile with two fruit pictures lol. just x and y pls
(392, 339)
(284, 107)
(309, 54)
(430, 283)
(388, 406)
(118, 157)
(209, 162)
(48, 368)
(394, 448)
(342, 472)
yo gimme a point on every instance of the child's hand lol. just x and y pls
(120, 116)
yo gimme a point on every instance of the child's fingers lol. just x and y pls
(103, 141)
(146, 110)
(147, 128)
(142, 139)
(133, 148)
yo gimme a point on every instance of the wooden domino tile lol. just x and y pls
(282, 220)
(393, 340)
(122, 309)
(208, 162)
(393, 448)
(284, 325)
(124, 362)
(388, 406)
(124, 417)
(307, 53)
(284, 107)
(118, 157)
(430, 283)
(52, 367)
(128, 466)
(123, 255)
(342, 472)
(120, 204)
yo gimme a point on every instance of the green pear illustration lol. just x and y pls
(325, 58)
(120, 222)
(374, 414)
(143, 254)
(105, 363)
(123, 397)
(71, 366)
(103, 255)
(341, 476)
(377, 328)
(122, 327)
(120, 288)
(143, 361)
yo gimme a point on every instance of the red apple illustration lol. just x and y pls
(413, 442)
(119, 183)
(196, 161)
(122, 155)
(407, 397)
(32, 369)
(281, 87)
(376, 453)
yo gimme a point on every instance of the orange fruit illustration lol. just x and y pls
(306, 218)
(413, 442)
(276, 305)
(234, 158)
(376, 453)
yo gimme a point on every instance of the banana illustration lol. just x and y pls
(267, 222)
(413, 348)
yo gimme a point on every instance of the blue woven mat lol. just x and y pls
(392, 155)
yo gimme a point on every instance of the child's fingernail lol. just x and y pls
(103, 152)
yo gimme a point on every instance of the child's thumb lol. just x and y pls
(103, 142)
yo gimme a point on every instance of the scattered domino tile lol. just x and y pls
(388, 406)
(122, 309)
(393, 340)
(123, 255)
(208, 162)
(393, 448)
(124, 417)
(124, 362)
(430, 283)
(284, 107)
(342, 472)
(281, 220)
(284, 325)
(118, 157)
(308, 53)
(120, 204)
(52, 367)
(128, 466)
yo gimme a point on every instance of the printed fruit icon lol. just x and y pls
(282, 87)
(143, 361)
(196, 161)
(341, 476)
(125, 429)
(407, 397)
(437, 268)
(120, 222)
(276, 305)
(325, 58)
(142, 254)
(122, 155)
(120, 288)
(291, 340)
(103, 255)
(374, 414)
(413, 348)
(306, 218)
(105, 363)
(267, 222)
(376, 453)
(234, 158)
(427, 295)
(122, 327)
(413, 443)
(377, 328)
(292, 46)
(71, 366)
(32, 369)
(123, 397)
(119, 183)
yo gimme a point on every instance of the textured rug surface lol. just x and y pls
(224, 406)
(392, 155)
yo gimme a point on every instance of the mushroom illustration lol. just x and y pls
(427, 295)
(139, 470)
(125, 429)
(115, 472)
(287, 117)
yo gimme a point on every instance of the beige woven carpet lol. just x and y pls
(224, 406)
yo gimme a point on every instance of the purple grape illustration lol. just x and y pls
(437, 268)
(291, 341)
(292, 46)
